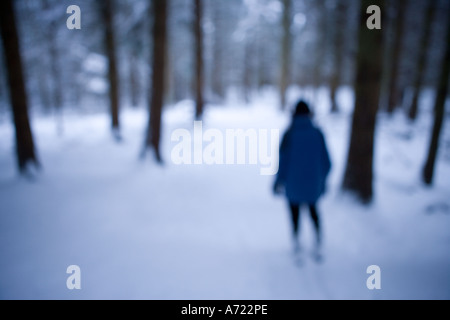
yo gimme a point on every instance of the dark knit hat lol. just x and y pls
(302, 109)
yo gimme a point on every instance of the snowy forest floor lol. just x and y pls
(141, 231)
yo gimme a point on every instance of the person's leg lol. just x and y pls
(317, 251)
(295, 218)
(316, 222)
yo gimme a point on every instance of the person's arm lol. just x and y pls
(283, 164)
(326, 158)
(326, 162)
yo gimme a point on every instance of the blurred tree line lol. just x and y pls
(155, 52)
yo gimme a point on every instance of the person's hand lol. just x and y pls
(278, 188)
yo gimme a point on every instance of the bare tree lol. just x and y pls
(338, 51)
(159, 35)
(199, 63)
(113, 76)
(420, 71)
(217, 79)
(2, 83)
(439, 110)
(395, 92)
(285, 51)
(25, 149)
(359, 172)
(320, 42)
(44, 87)
(51, 31)
(134, 53)
(134, 78)
(247, 73)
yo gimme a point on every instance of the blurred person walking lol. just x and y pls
(304, 167)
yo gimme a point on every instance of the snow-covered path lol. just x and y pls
(139, 231)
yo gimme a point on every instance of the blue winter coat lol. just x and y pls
(304, 162)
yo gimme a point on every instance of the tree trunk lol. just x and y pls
(247, 74)
(56, 78)
(217, 66)
(263, 67)
(439, 110)
(56, 75)
(134, 78)
(158, 76)
(285, 51)
(395, 92)
(420, 72)
(169, 90)
(52, 34)
(44, 88)
(113, 77)
(198, 80)
(25, 148)
(338, 54)
(359, 172)
(2, 84)
(320, 50)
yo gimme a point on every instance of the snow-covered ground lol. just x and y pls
(141, 231)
